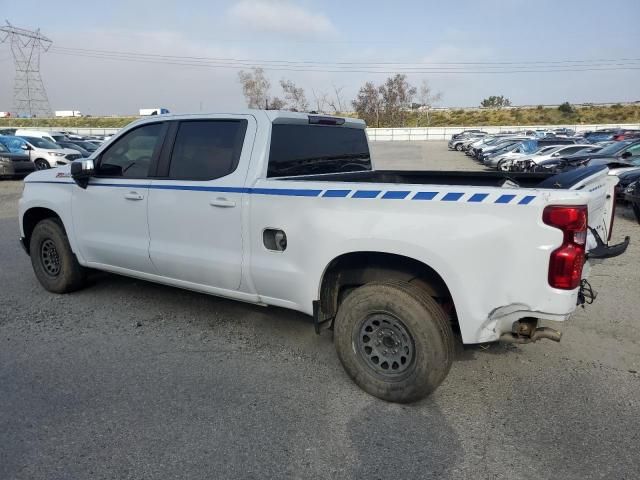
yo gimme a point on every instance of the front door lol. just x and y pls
(110, 215)
(195, 210)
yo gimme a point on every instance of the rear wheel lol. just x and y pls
(54, 264)
(41, 164)
(394, 340)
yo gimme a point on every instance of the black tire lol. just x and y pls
(55, 265)
(459, 147)
(423, 321)
(41, 164)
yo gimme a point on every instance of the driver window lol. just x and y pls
(130, 156)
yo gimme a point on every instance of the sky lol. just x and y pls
(404, 35)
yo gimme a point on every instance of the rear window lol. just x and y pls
(207, 149)
(317, 149)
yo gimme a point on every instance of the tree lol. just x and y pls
(566, 108)
(294, 97)
(276, 103)
(368, 104)
(495, 102)
(255, 87)
(336, 103)
(320, 100)
(396, 95)
(427, 98)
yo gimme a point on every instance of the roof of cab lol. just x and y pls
(275, 116)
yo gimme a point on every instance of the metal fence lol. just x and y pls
(444, 133)
(400, 134)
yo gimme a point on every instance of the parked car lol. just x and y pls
(74, 146)
(476, 148)
(600, 135)
(625, 179)
(88, 146)
(393, 286)
(626, 134)
(50, 136)
(457, 143)
(14, 164)
(525, 162)
(632, 195)
(501, 145)
(43, 153)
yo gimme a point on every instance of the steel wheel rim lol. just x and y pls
(50, 258)
(385, 345)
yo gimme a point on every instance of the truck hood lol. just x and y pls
(58, 174)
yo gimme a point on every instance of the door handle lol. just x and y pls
(222, 202)
(133, 196)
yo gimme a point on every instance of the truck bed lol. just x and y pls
(480, 179)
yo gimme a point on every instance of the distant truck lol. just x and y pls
(153, 111)
(68, 113)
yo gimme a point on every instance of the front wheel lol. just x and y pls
(394, 340)
(53, 261)
(42, 164)
(459, 147)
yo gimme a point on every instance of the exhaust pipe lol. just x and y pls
(538, 334)
(527, 331)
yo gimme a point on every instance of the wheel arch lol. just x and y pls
(352, 269)
(32, 217)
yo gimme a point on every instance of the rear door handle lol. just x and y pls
(222, 202)
(133, 196)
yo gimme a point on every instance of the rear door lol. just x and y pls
(196, 203)
(110, 215)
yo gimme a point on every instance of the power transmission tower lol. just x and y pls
(29, 96)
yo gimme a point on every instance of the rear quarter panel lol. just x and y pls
(489, 244)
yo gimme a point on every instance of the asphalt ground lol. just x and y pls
(128, 379)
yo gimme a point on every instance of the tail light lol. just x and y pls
(566, 262)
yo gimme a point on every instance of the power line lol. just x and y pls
(290, 66)
(314, 62)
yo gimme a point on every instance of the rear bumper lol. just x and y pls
(603, 250)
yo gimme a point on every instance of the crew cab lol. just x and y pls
(287, 209)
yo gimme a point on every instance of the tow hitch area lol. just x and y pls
(526, 330)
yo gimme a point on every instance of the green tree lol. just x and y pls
(566, 108)
(495, 102)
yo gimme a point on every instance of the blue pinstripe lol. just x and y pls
(306, 192)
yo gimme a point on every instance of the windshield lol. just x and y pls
(3, 148)
(614, 148)
(546, 150)
(14, 144)
(42, 143)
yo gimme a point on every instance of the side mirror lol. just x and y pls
(81, 172)
(24, 146)
(555, 154)
(626, 155)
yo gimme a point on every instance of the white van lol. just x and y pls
(50, 136)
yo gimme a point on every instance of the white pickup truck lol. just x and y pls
(286, 209)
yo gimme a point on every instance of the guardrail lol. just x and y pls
(444, 133)
(396, 134)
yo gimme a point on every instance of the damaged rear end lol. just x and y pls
(586, 231)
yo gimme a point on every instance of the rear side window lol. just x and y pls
(317, 149)
(207, 149)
